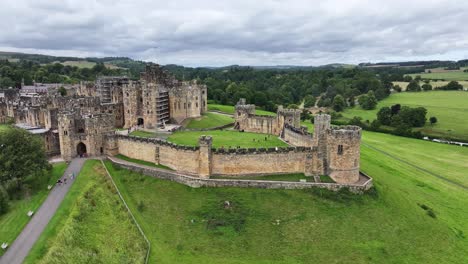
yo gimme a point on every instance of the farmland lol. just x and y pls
(448, 106)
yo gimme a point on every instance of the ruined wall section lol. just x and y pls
(132, 101)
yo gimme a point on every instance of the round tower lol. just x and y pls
(344, 153)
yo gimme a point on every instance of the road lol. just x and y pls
(20, 248)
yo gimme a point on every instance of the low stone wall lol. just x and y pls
(196, 182)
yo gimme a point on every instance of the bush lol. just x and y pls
(141, 206)
(3, 200)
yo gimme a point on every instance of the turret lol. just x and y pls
(344, 153)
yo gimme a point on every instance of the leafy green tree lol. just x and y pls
(413, 117)
(339, 103)
(3, 200)
(426, 87)
(293, 106)
(453, 85)
(22, 160)
(309, 101)
(413, 86)
(433, 120)
(384, 116)
(368, 101)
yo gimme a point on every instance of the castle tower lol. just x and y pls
(321, 126)
(344, 153)
(204, 168)
(242, 112)
(66, 128)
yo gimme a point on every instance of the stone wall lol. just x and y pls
(256, 162)
(196, 182)
(298, 137)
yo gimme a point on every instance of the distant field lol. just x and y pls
(86, 64)
(91, 225)
(449, 76)
(227, 139)
(229, 109)
(435, 84)
(210, 120)
(13, 222)
(187, 225)
(450, 108)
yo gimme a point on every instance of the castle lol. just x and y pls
(86, 123)
(76, 125)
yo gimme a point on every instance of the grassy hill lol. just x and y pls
(415, 217)
(91, 225)
(450, 108)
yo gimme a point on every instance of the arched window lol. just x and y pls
(340, 149)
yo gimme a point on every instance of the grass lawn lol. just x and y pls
(449, 76)
(3, 127)
(13, 222)
(145, 134)
(414, 218)
(227, 138)
(91, 225)
(142, 162)
(230, 109)
(210, 120)
(450, 108)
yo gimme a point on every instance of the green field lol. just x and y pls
(91, 225)
(227, 139)
(229, 109)
(450, 108)
(13, 222)
(415, 217)
(435, 84)
(210, 120)
(448, 76)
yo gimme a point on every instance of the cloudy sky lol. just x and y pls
(244, 32)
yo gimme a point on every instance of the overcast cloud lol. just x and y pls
(245, 32)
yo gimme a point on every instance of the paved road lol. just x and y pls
(20, 248)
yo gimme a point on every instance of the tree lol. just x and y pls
(426, 87)
(339, 103)
(368, 101)
(3, 200)
(453, 85)
(309, 101)
(413, 86)
(293, 106)
(433, 120)
(397, 88)
(395, 109)
(22, 160)
(413, 117)
(384, 116)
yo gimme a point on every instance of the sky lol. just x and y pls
(242, 32)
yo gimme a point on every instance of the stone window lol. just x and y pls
(196, 105)
(340, 149)
(127, 94)
(65, 132)
(185, 105)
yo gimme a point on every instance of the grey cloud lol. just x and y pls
(239, 32)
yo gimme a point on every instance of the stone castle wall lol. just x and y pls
(197, 182)
(298, 137)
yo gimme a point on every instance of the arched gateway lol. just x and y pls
(81, 149)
